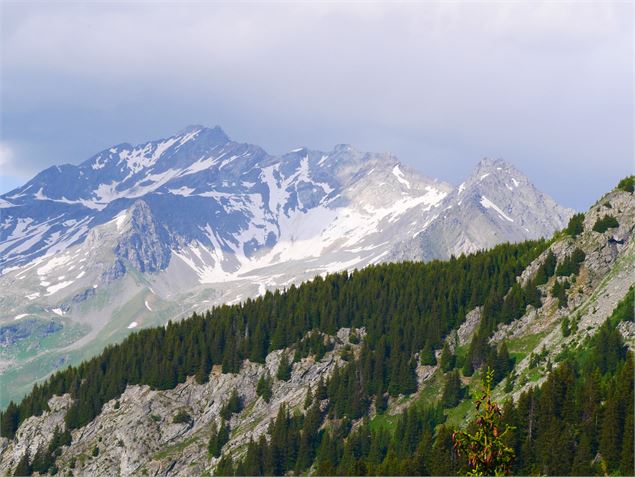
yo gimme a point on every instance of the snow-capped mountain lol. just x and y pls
(497, 203)
(138, 235)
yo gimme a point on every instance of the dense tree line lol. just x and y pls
(579, 422)
(404, 307)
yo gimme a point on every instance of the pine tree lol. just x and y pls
(218, 438)
(9, 420)
(42, 460)
(308, 400)
(448, 359)
(627, 458)
(284, 368)
(263, 388)
(24, 466)
(427, 356)
(452, 390)
(610, 434)
(583, 457)
(233, 406)
(575, 226)
(485, 449)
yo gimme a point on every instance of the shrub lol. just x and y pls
(182, 417)
(627, 184)
(605, 223)
(233, 406)
(565, 327)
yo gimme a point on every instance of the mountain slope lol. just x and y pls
(138, 235)
(496, 203)
(397, 312)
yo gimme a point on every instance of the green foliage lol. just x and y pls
(263, 388)
(576, 225)
(427, 356)
(24, 466)
(605, 223)
(559, 291)
(95, 451)
(571, 263)
(233, 406)
(402, 306)
(565, 327)
(314, 344)
(218, 438)
(42, 461)
(448, 360)
(182, 417)
(486, 450)
(546, 269)
(627, 184)
(284, 368)
(453, 390)
(581, 410)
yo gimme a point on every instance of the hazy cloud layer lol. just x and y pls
(546, 86)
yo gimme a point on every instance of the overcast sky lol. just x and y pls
(547, 86)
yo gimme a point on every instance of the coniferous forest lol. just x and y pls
(579, 422)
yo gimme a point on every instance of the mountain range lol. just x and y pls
(377, 371)
(138, 235)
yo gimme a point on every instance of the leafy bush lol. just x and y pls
(605, 223)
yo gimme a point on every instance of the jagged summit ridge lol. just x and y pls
(139, 234)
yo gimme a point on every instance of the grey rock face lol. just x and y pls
(136, 434)
(145, 243)
(496, 204)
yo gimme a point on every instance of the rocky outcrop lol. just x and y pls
(145, 243)
(605, 277)
(136, 434)
(34, 433)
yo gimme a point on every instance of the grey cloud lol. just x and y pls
(547, 86)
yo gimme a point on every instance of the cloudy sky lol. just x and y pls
(546, 86)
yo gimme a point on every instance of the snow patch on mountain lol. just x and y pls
(488, 204)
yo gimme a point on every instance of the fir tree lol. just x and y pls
(24, 466)
(284, 368)
(448, 359)
(452, 390)
(427, 356)
(263, 388)
(485, 449)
